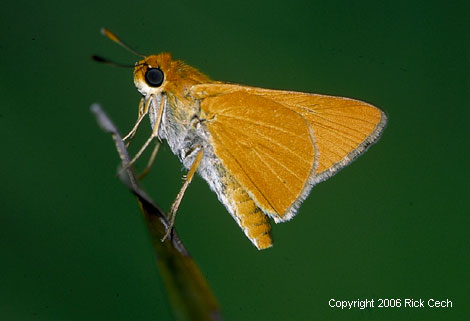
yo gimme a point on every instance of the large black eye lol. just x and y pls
(154, 77)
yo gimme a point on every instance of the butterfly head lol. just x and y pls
(157, 74)
(152, 74)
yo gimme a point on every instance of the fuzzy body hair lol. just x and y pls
(185, 141)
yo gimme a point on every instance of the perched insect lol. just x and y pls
(260, 150)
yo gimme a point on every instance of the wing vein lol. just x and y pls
(260, 124)
(341, 125)
(348, 117)
(336, 145)
(340, 133)
(267, 138)
(274, 172)
(286, 168)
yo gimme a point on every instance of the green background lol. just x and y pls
(394, 224)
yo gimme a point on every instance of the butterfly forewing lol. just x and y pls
(343, 127)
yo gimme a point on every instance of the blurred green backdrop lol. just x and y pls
(394, 224)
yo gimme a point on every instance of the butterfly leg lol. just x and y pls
(156, 127)
(179, 197)
(150, 162)
(143, 110)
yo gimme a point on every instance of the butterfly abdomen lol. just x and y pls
(251, 219)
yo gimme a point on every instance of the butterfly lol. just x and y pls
(260, 150)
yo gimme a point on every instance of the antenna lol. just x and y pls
(110, 62)
(113, 37)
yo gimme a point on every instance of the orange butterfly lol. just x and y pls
(261, 151)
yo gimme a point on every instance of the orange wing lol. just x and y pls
(343, 128)
(266, 147)
(250, 123)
